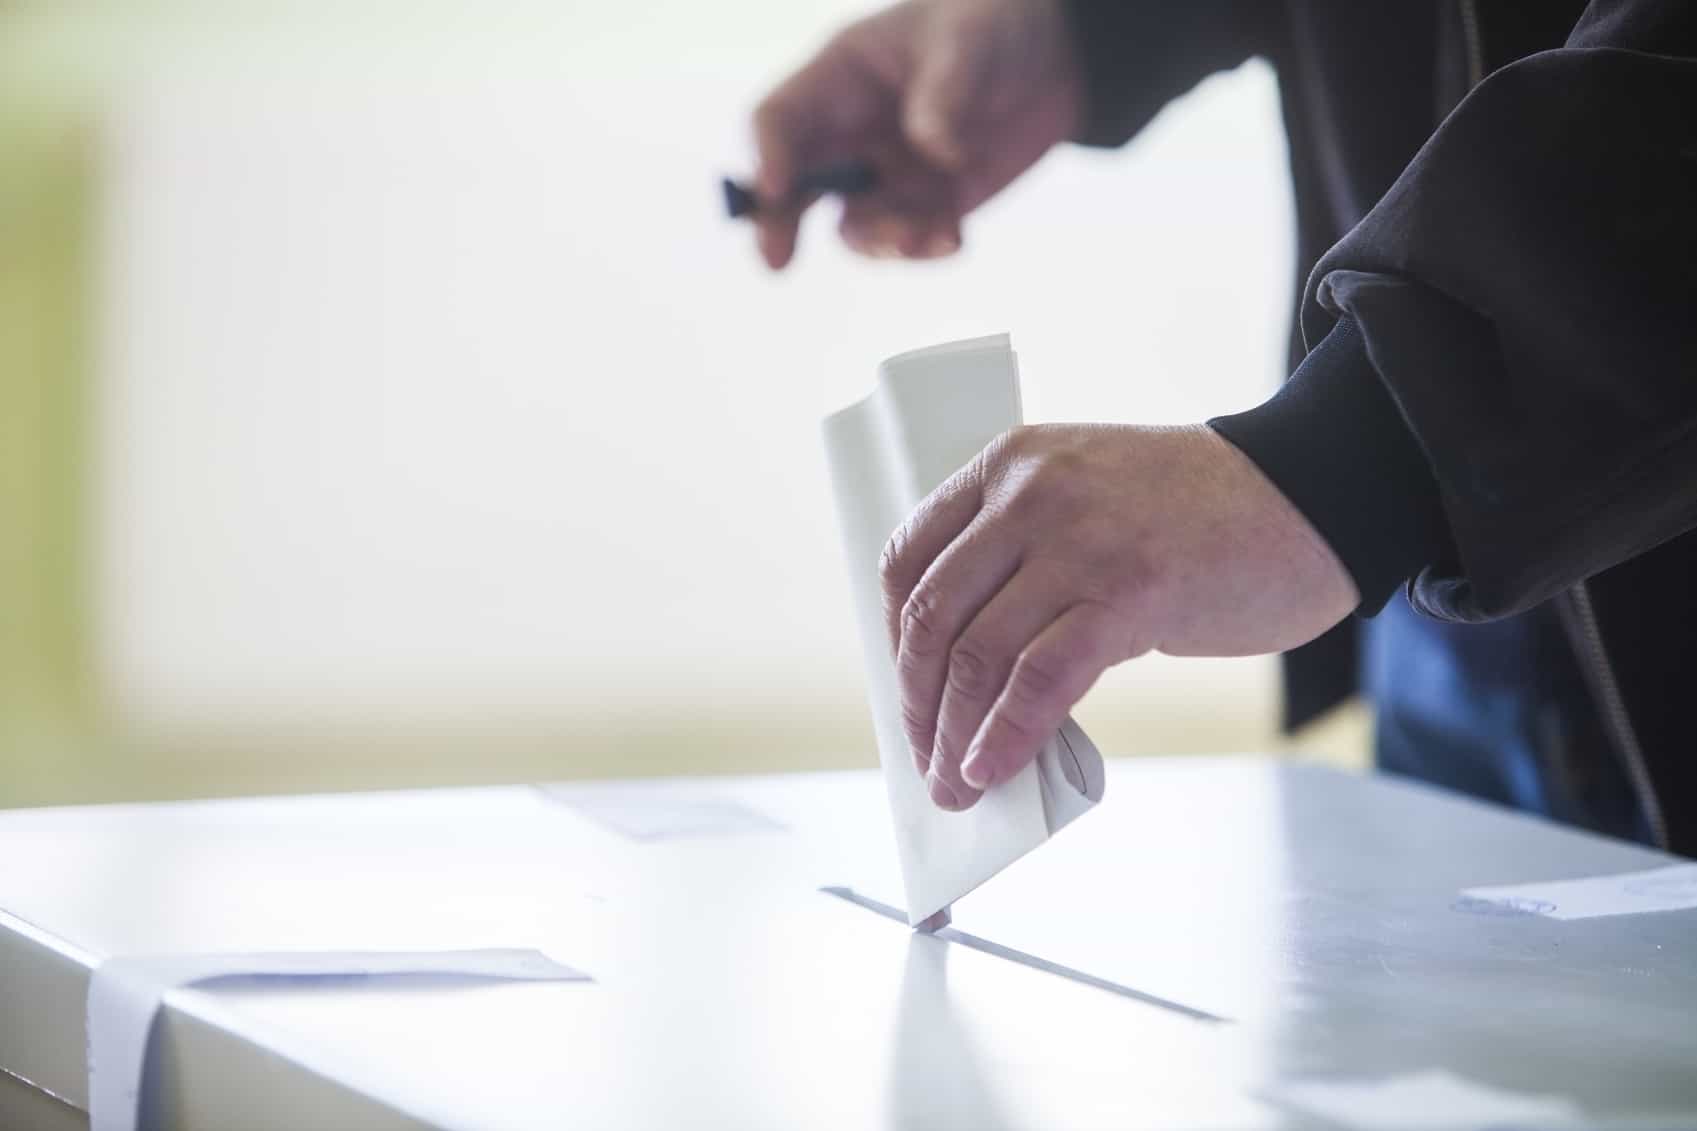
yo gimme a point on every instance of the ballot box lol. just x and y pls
(1221, 943)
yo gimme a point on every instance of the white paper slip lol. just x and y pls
(1673, 888)
(125, 993)
(1432, 1100)
(932, 411)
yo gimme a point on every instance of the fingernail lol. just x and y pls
(977, 771)
(922, 763)
(942, 795)
(941, 245)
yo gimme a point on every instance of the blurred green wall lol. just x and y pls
(47, 714)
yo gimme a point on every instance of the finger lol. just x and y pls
(809, 112)
(874, 230)
(981, 659)
(777, 138)
(775, 234)
(935, 110)
(826, 110)
(1050, 676)
(777, 228)
(934, 524)
(914, 211)
(960, 582)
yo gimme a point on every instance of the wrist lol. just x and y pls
(1335, 444)
(1299, 543)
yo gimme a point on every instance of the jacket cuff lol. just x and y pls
(1101, 30)
(1336, 444)
(1136, 57)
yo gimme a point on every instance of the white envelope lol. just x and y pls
(932, 412)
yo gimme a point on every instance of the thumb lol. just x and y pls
(934, 115)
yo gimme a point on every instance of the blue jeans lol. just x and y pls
(1500, 711)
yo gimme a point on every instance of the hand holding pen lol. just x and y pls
(915, 116)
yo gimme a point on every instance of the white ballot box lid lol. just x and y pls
(1226, 943)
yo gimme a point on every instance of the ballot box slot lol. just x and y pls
(39, 1089)
(959, 937)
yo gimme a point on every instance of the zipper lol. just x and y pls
(1473, 41)
(1605, 689)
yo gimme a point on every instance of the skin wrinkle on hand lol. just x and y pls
(1202, 555)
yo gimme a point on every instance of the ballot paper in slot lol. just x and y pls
(932, 411)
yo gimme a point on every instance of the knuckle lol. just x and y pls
(1021, 435)
(1040, 677)
(845, 40)
(770, 116)
(1016, 725)
(998, 453)
(970, 669)
(964, 487)
(893, 556)
(920, 626)
(1060, 476)
(917, 723)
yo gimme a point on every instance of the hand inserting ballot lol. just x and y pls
(1065, 549)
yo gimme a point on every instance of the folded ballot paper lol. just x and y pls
(932, 412)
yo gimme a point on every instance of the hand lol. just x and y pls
(949, 99)
(1063, 550)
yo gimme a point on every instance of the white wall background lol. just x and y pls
(435, 389)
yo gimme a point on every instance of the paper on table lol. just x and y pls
(1673, 888)
(933, 410)
(124, 995)
(1426, 1100)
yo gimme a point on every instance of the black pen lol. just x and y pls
(846, 178)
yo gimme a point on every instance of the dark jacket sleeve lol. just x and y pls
(1525, 299)
(1137, 57)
